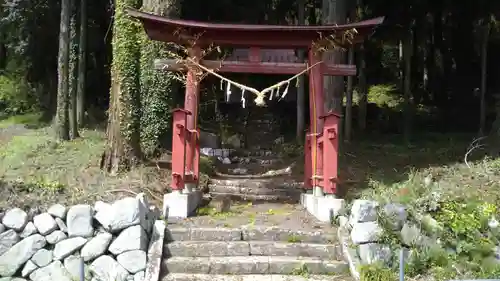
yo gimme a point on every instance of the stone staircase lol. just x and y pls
(251, 253)
(257, 176)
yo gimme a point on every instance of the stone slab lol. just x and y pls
(207, 249)
(253, 277)
(324, 251)
(287, 235)
(251, 248)
(155, 250)
(203, 234)
(252, 265)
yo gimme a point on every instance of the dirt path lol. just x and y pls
(7, 133)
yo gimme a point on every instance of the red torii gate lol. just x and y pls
(321, 140)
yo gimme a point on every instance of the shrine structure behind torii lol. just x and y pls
(321, 156)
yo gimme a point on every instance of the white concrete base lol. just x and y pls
(324, 207)
(181, 204)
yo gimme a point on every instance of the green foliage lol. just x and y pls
(384, 95)
(16, 96)
(376, 272)
(207, 166)
(456, 223)
(125, 73)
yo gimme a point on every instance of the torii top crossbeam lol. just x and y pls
(164, 29)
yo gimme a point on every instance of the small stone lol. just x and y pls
(58, 211)
(374, 253)
(133, 261)
(54, 271)
(73, 265)
(365, 232)
(363, 211)
(97, 246)
(62, 226)
(411, 235)
(2, 228)
(32, 212)
(42, 258)
(139, 276)
(56, 237)
(8, 239)
(132, 238)
(79, 221)
(28, 268)
(395, 214)
(15, 219)
(20, 253)
(101, 206)
(29, 230)
(68, 246)
(106, 268)
(44, 223)
(124, 213)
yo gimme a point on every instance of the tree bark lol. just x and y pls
(73, 70)
(82, 64)
(301, 89)
(363, 89)
(334, 12)
(123, 149)
(348, 105)
(62, 118)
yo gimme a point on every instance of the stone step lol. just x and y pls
(250, 233)
(253, 265)
(260, 185)
(251, 248)
(284, 197)
(253, 277)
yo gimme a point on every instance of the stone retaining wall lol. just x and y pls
(112, 239)
(361, 232)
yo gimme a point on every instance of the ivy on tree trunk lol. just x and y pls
(156, 86)
(123, 149)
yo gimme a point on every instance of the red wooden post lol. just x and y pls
(330, 152)
(191, 104)
(178, 148)
(316, 106)
(308, 162)
(196, 161)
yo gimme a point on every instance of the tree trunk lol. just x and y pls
(484, 64)
(158, 90)
(363, 89)
(82, 65)
(407, 94)
(123, 149)
(301, 89)
(62, 118)
(348, 104)
(334, 12)
(73, 70)
(362, 83)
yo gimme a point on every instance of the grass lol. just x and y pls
(65, 172)
(31, 120)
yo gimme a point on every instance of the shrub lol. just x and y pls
(16, 96)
